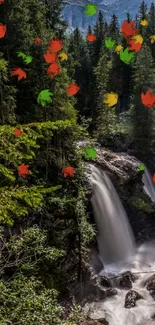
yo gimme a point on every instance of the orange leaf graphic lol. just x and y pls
(68, 171)
(17, 132)
(148, 99)
(72, 89)
(50, 57)
(91, 38)
(53, 70)
(37, 40)
(128, 30)
(134, 46)
(23, 170)
(2, 30)
(55, 45)
(19, 72)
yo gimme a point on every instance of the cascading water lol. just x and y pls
(116, 245)
(115, 238)
(149, 186)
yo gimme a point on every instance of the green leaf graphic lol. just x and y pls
(91, 9)
(141, 167)
(110, 43)
(21, 54)
(126, 56)
(28, 59)
(44, 97)
(90, 153)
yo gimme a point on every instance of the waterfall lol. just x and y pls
(149, 186)
(115, 238)
(116, 244)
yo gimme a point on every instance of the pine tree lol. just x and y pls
(142, 15)
(54, 17)
(114, 28)
(143, 117)
(151, 28)
(103, 116)
(99, 31)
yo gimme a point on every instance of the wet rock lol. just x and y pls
(152, 293)
(150, 286)
(104, 282)
(126, 280)
(131, 298)
(110, 292)
(101, 321)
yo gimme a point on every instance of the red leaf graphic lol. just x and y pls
(55, 45)
(148, 99)
(53, 70)
(2, 30)
(128, 30)
(50, 57)
(91, 38)
(37, 40)
(23, 170)
(17, 132)
(134, 46)
(153, 178)
(19, 72)
(72, 89)
(68, 171)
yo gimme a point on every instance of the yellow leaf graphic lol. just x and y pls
(63, 56)
(152, 38)
(138, 38)
(118, 48)
(144, 22)
(111, 99)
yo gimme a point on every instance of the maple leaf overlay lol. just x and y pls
(23, 170)
(68, 171)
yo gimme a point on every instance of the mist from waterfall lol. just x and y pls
(149, 186)
(115, 238)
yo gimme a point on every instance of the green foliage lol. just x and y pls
(28, 251)
(76, 316)
(141, 203)
(25, 301)
(19, 201)
(87, 231)
(7, 95)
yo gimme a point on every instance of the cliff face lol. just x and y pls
(74, 12)
(127, 179)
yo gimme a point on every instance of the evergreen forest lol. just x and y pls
(53, 86)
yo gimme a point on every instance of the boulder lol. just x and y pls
(101, 321)
(126, 280)
(110, 292)
(150, 286)
(152, 293)
(104, 282)
(131, 298)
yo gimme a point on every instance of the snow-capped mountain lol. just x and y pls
(74, 14)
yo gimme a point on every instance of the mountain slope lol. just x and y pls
(74, 12)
